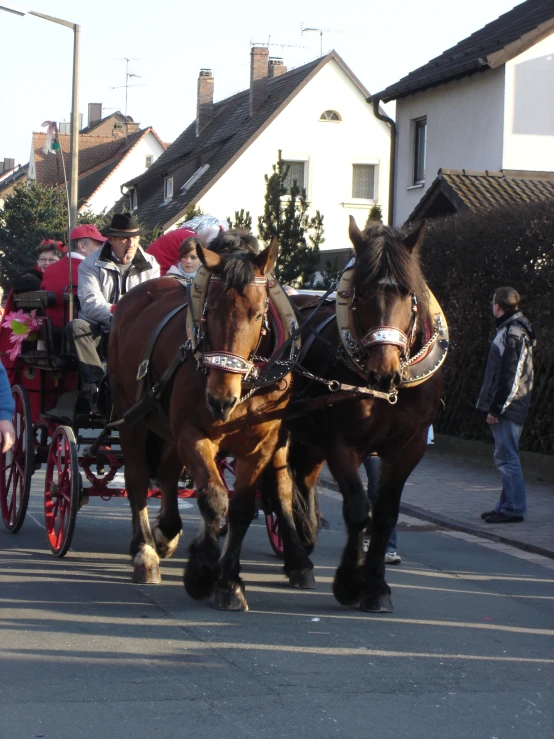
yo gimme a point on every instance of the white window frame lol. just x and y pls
(352, 202)
(417, 157)
(134, 200)
(195, 177)
(148, 160)
(168, 189)
(330, 120)
(298, 159)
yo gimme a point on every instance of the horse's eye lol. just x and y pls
(259, 316)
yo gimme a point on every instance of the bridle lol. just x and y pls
(223, 360)
(390, 335)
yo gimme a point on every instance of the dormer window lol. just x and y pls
(168, 188)
(195, 177)
(134, 200)
(330, 115)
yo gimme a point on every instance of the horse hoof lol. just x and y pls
(347, 586)
(146, 567)
(165, 547)
(302, 579)
(376, 603)
(231, 599)
(200, 580)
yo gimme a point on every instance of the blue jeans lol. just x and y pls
(506, 458)
(371, 465)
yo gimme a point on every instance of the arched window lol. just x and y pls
(330, 115)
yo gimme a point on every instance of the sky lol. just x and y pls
(168, 42)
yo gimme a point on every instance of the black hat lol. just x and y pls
(123, 224)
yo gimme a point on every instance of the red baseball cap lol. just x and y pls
(87, 231)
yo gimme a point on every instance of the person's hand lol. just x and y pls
(492, 419)
(7, 435)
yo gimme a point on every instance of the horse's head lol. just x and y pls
(389, 299)
(233, 321)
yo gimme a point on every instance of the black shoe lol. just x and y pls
(503, 518)
(486, 514)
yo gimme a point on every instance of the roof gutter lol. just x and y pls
(392, 166)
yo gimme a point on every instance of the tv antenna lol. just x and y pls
(321, 31)
(128, 76)
(270, 43)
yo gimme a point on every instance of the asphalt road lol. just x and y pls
(85, 653)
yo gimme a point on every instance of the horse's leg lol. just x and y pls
(202, 568)
(394, 470)
(229, 592)
(279, 487)
(305, 466)
(139, 465)
(344, 464)
(168, 527)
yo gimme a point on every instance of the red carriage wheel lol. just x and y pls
(274, 535)
(61, 490)
(17, 465)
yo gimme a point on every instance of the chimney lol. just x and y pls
(94, 113)
(258, 77)
(276, 67)
(205, 99)
(7, 164)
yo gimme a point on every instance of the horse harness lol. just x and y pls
(287, 356)
(257, 371)
(414, 368)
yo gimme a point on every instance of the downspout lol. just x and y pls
(392, 166)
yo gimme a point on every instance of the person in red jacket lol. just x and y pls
(165, 249)
(85, 239)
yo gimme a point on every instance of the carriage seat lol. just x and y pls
(37, 300)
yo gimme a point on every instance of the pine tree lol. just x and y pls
(375, 215)
(242, 219)
(31, 213)
(299, 234)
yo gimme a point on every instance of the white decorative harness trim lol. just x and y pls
(228, 362)
(385, 335)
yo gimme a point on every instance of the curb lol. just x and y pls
(449, 523)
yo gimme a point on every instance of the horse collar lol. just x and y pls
(414, 369)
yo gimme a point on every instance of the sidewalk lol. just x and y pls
(452, 492)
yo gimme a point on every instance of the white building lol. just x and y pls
(487, 104)
(316, 115)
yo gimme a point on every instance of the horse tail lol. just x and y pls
(305, 504)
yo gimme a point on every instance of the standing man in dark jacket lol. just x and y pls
(505, 397)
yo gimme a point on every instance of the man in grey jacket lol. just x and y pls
(104, 276)
(505, 397)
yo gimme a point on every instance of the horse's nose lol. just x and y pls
(385, 382)
(221, 408)
(373, 378)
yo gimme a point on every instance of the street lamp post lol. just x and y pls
(74, 136)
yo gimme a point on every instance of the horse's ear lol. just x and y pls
(356, 236)
(266, 260)
(209, 259)
(414, 239)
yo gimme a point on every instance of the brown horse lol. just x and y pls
(203, 412)
(387, 289)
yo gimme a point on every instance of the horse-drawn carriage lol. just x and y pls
(55, 427)
(217, 369)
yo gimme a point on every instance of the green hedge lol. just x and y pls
(465, 257)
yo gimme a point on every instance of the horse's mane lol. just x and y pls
(387, 263)
(237, 271)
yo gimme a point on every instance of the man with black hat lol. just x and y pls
(104, 277)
